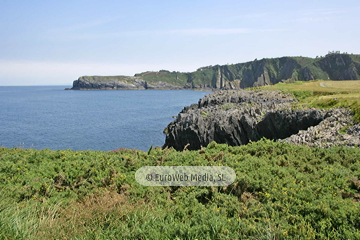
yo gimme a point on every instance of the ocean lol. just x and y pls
(50, 117)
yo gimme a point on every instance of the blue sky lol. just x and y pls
(55, 42)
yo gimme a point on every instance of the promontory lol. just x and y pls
(267, 71)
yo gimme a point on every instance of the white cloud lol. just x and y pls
(79, 31)
(313, 15)
(310, 19)
(195, 32)
(256, 16)
(316, 15)
(85, 25)
(206, 31)
(331, 12)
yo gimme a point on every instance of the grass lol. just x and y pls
(175, 78)
(315, 86)
(312, 94)
(107, 79)
(282, 191)
(352, 86)
(205, 114)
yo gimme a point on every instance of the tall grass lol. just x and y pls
(282, 191)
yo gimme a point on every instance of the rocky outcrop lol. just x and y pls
(336, 129)
(234, 76)
(340, 67)
(108, 83)
(118, 83)
(239, 117)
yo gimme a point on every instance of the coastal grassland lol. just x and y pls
(282, 191)
(106, 79)
(323, 94)
(316, 86)
(174, 78)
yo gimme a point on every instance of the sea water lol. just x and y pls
(41, 117)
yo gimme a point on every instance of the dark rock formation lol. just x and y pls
(238, 117)
(340, 67)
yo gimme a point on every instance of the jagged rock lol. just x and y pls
(328, 132)
(238, 117)
(354, 130)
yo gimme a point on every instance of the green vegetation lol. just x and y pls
(323, 94)
(205, 114)
(266, 71)
(315, 86)
(228, 106)
(274, 70)
(343, 129)
(105, 79)
(282, 191)
(174, 78)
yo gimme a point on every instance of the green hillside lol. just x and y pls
(267, 71)
(174, 78)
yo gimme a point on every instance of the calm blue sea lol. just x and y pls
(49, 117)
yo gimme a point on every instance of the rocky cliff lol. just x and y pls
(334, 66)
(118, 83)
(239, 117)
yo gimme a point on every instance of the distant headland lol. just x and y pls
(267, 71)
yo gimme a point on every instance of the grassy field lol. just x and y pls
(315, 86)
(323, 94)
(343, 85)
(282, 191)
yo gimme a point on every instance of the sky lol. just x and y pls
(56, 42)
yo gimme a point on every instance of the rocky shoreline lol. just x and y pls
(237, 117)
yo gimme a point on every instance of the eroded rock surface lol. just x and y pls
(238, 117)
(334, 130)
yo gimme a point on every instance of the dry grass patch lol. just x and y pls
(350, 96)
(316, 86)
(96, 213)
(345, 85)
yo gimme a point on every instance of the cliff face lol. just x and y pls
(235, 76)
(340, 67)
(239, 117)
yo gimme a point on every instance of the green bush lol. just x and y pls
(282, 191)
(300, 95)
